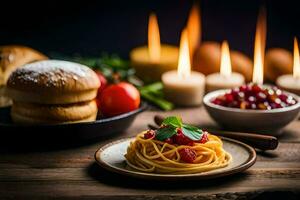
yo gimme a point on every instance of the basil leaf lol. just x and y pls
(165, 133)
(190, 127)
(192, 132)
(173, 121)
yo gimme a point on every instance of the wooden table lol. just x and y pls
(72, 173)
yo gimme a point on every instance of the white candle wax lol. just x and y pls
(289, 83)
(184, 91)
(218, 81)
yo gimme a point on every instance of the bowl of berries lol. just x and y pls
(253, 108)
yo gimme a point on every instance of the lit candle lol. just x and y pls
(184, 87)
(194, 29)
(291, 82)
(151, 61)
(259, 48)
(226, 78)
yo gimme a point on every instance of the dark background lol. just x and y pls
(91, 27)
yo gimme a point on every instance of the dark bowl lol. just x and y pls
(73, 132)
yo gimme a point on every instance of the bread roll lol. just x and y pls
(53, 82)
(56, 113)
(12, 57)
(207, 58)
(278, 62)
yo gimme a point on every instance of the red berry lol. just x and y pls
(243, 88)
(241, 96)
(251, 99)
(283, 97)
(261, 97)
(229, 98)
(149, 134)
(204, 138)
(235, 92)
(217, 102)
(256, 88)
(188, 155)
(181, 139)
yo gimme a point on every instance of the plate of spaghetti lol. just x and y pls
(176, 151)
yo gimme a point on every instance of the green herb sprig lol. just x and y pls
(111, 66)
(154, 94)
(170, 126)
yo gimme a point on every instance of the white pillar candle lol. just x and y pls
(226, 78)
(217, 81)
(184, 87)
(291, 82)
(182, 91)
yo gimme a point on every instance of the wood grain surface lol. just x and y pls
(70, 172)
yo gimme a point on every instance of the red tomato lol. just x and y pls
(204, 138)
(181, 139)
(103, 81)
(118, 99)
(188, 155)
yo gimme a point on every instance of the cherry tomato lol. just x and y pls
(204, 138)
(181, 139)
(188, 155)
(118, 99)
(104, 83)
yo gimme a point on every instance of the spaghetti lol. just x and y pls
(151, 155)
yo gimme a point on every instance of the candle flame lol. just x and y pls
(153, 38)
(184, 64)
(296, 69)
(225, 69)
(259, 48)
(194, 28)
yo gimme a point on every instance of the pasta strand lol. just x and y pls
(149, 155)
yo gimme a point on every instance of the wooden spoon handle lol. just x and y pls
(158, 119)
(259, 141)
(262, 142)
